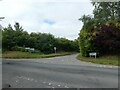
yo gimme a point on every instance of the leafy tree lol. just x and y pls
(88, 22)
(64, 44)
(12, 37)
(85, 39)
(105, 11)
(18, 27)
(107, 39)
(18, 39)
(90, 38)
(7, 38)
(45, 42)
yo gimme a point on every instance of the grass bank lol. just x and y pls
(18, 54)
(106, 60)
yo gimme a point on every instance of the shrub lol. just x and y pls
(107, 39)
(85, 43)
(17, 48)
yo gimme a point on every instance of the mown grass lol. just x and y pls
(18, 54)
(106, 60)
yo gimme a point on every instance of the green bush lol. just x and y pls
(17, 48)
(38, 51)
(107, 39)
(86, 43)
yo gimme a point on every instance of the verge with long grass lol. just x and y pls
(18, 54)
(106, 60)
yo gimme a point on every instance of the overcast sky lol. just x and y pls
(58, 17)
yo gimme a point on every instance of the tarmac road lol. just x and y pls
(57, 72)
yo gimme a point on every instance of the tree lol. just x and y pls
(64, 44)
(107, 39)
(18, 27)
(88, 23)
(18, 39)
(12, 38)
(104, 14)
(85, 35)
(42, 41)
(7, 37)
(105, 11)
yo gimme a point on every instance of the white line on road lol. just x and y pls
(58, 85)
(49, 84)
(66, 87)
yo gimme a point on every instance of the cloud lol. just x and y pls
(57, 17)
(47, 21)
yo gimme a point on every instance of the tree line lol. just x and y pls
(17, 39)
(101, 32)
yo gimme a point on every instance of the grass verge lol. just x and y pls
(106, 60)
(18, 54)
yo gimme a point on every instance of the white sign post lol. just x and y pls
(55, 49)
(93, 54)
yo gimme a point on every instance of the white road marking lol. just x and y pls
(58, 85)
(53, 87)
(49, 84)
(31, 79)
(49, 58)
(66, 87)
(26, 78)
(44, 82)
(16, 81)
(35, 80)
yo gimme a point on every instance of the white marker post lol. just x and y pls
(93, 54)
(55, 49)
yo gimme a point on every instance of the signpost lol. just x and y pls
(55, 49)
(93, 54)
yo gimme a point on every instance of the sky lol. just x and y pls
(58, 17)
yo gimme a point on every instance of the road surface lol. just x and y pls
(57, 72)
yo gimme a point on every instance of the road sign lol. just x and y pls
(55, 49)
